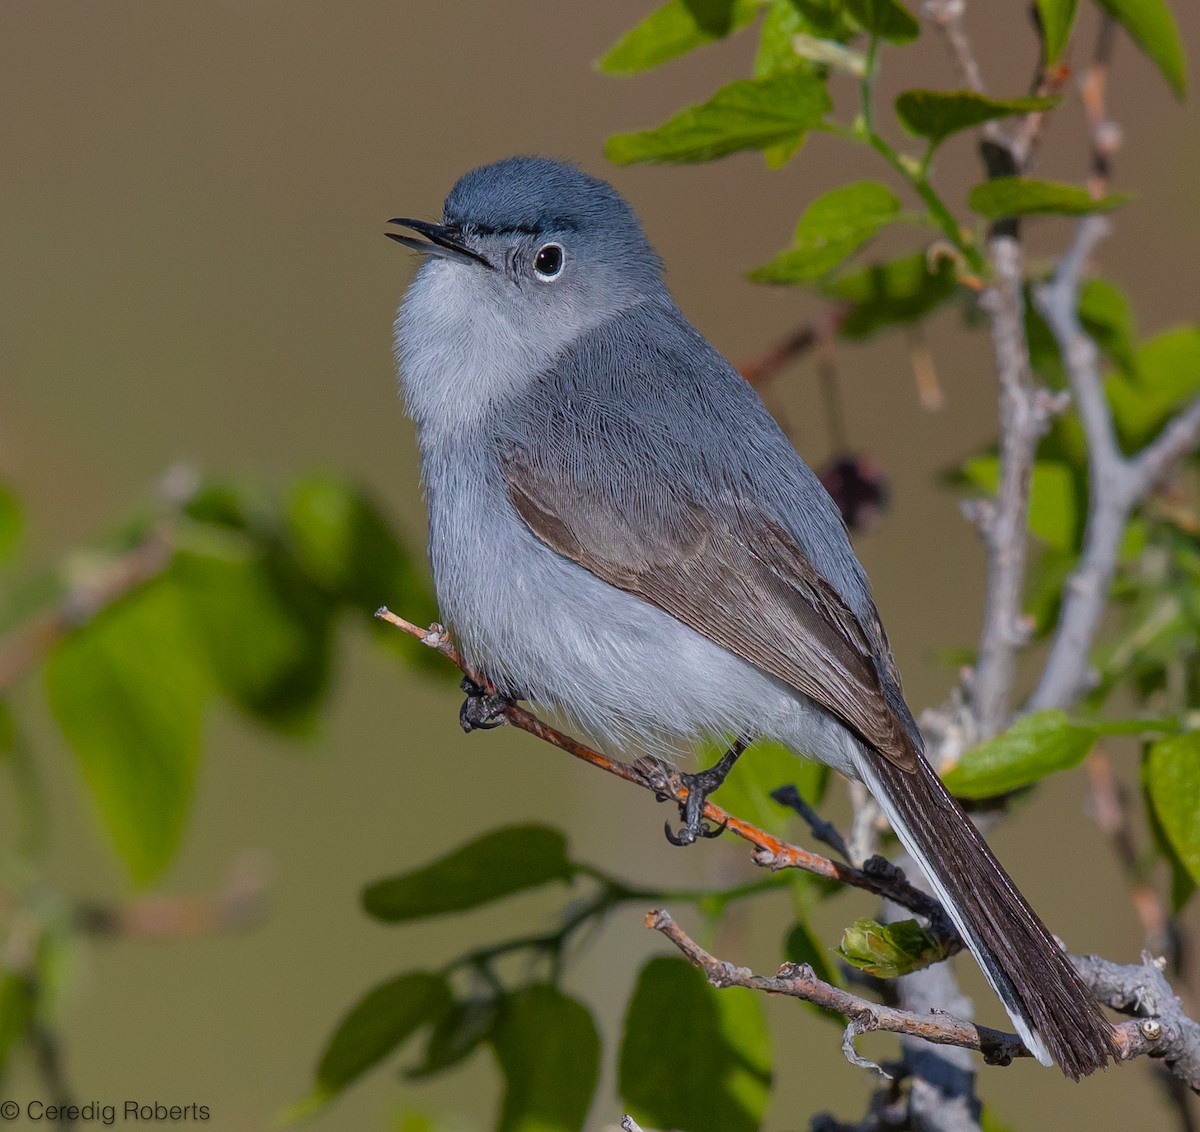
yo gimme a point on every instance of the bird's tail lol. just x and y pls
(1051, 1008)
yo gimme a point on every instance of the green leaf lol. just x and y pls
(264, 629)
(1172, 777)
(548, 1049)
(377, 1025)
(832, 228)
(1022, 196)
(1166, 373)
(711, 1071)
(495, 865)
(1055, 508)
(780, 26)
(936, 114)
(746, 114)
(888, 951)
(801, 946)
(456, 1035)
(18, 1004)
(673, 30)
(902, 291)
(1057, 18)
(887, 19)
(1152, 27)
(11, 523)
(765, 767)
(1107, 316)
(1038, 744)
(128, 694)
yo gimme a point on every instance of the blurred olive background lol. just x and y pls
(193, 268)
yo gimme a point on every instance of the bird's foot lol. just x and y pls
(699, 788)
(484, 708)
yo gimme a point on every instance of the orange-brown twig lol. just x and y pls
(877, 876)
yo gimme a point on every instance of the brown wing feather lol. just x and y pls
(744, 585)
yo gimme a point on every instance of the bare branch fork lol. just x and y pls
(1164, 1030)
(1116, 483)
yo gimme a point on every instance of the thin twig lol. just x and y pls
(798, 981)
(25, 646)
(767, 365)
(1138, 989)
(876, 876)
(237, 905)
(822, 830)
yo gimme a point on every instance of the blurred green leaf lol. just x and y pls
(377, 1025)
(1152, 27)
(1166, 373)
(746, 114)
(1172, 777)
(764, 768)
(936, 114)
(345, 544)
(780, 26)
(128, 693)
(989, 1121)
(832, 228)
(709, 1070)
(264, 629)
(801, 946)
(1023, 196)
(1055, 509)
(17, 1006)
(676, 28)
(456, 1035)
(495, 865)
(1183, 885)
(11, 523)
(1057, 17)
(829, 19)
(902, 291)
(548, 1049)
(887, 19)
(1107, 316)
(1038, 744)
(888, 951)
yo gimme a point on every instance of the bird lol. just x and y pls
(619, 531)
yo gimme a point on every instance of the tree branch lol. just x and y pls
(1116, 484)
(1024, 412)
(1141, 988)
(997, 1046)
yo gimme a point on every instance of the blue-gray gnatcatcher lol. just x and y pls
(620, 531)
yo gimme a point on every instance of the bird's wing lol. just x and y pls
(733, 575)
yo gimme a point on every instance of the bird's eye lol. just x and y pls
(548, 263)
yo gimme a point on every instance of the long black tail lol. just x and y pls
(1052, 1009)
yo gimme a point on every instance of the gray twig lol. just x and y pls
(797, 980)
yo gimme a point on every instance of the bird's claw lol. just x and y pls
(699, 787)
(482, 709)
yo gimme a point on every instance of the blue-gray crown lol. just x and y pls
(536, 194)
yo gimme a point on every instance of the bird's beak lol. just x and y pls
(440, 240)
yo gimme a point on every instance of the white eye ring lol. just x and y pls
(549, 262)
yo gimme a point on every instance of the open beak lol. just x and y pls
(440, 240)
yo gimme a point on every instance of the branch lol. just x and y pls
(997, 1046)
(1116, 483)
(25, 646)
(1024, 413)
(876, 876)
(1140, 988)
